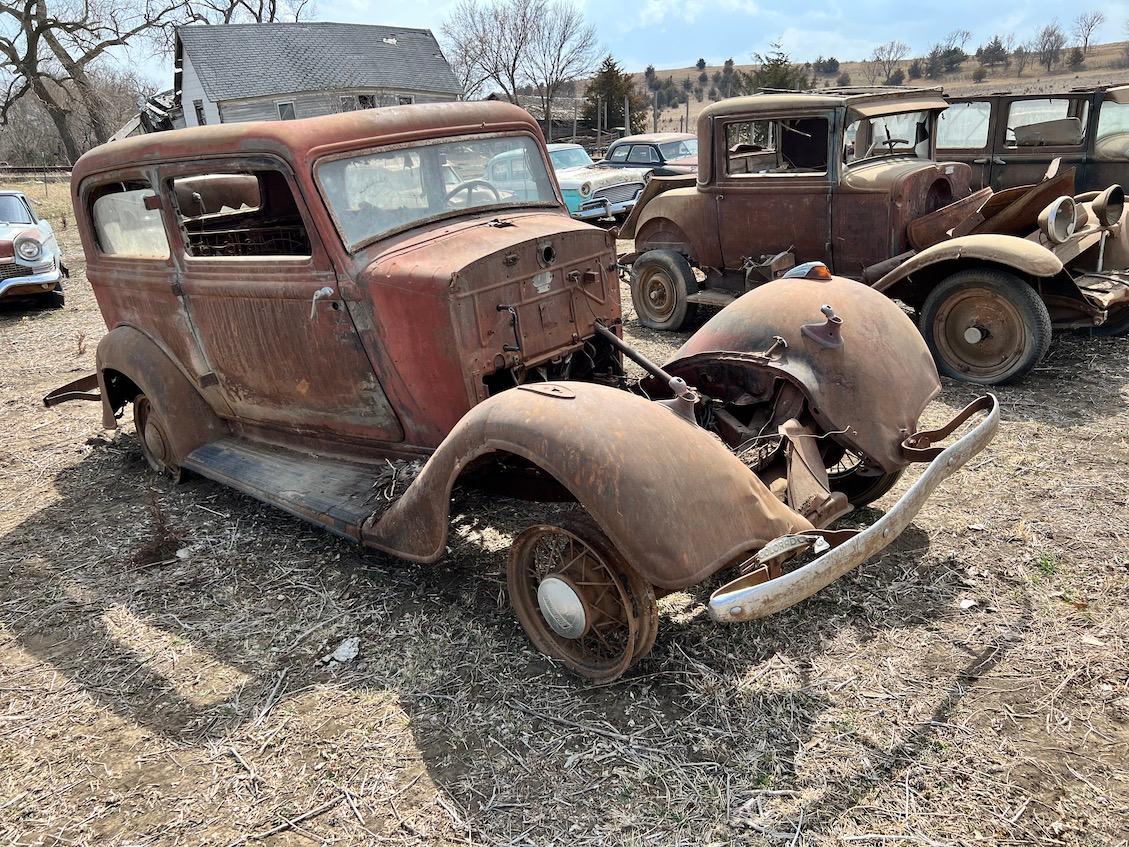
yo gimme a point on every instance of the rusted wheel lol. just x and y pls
(578, 600)
(662, 281)
(985, 326)
(152, 434)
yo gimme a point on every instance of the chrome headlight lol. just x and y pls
(29, 249)
(585, 189)
(1057, 220)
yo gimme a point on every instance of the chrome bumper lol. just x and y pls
(46, 281)
(749, 597)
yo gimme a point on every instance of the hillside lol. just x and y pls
(1104, 66)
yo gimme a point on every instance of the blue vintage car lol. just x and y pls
(30, 261)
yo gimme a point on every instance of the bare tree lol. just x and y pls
(50, 54)
(888, 56)
(247, 11)
(1048, 45)
(872, 72)
(1020, 56)
(491, 40)
(956, 39)
(1085, 25)
(563, 49)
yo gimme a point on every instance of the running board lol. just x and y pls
(332, 493)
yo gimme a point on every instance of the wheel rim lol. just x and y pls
(657, 296)
(981, 333)
(154, 444)
(606, 644)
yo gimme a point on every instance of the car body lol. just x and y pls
(593, 191)
(849, 178)
(306, 312)
(31, 263)
(665, 153)
(1010, 140)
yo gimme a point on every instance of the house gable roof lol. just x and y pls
(238, 61)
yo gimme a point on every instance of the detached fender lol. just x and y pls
(675, 502)
(127, 359)
(1008, 251)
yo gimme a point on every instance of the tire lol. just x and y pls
(661, 282)
(860, 489)
(985, 326)
(620, 616)
(152, 434)
(57, 299)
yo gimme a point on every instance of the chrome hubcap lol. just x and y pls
(562, 607)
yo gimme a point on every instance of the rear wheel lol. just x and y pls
(578, 600)
(153, 435)
(662, 281)
(985, 326)
(847, 474)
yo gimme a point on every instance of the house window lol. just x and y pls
(367, 101)
(285, 111)
(233, 214)
(348, 103)
(201, 118)
(406, 99)
(125, 225)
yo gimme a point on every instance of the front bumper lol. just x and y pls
(31, 284)
(597, 207)
(751, 596)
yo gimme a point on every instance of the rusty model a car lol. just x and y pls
(295, 308)
(849, 178)
(1011, 139)
(31, 264)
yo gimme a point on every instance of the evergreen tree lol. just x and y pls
(777, 71)
(610, 85)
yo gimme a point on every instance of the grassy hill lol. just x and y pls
(1105, 65)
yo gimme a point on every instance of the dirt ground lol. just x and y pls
(162, 682)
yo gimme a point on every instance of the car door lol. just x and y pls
(774, 188)
(964, 135)
(1034, 131)
(1109, 160)
(266, 304)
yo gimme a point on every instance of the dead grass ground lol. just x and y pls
(968, 686)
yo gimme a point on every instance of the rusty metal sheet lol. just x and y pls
(1020, 215)
(927, 230)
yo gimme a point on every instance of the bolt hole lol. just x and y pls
(337, 307)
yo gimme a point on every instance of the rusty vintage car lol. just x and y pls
(1010, 139)
(306, 312)
(849, 178)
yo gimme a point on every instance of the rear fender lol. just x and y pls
(675, 502)
(128, 361)
(657, 185)
(1005, 251)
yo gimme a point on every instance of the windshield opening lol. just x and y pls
(902, 134)
(13, 210)
(371, 194)
(684, 149)
(571, 157)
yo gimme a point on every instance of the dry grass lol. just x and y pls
(968, 686)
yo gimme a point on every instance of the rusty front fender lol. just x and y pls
(675, 502)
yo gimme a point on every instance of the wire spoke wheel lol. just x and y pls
(578, 600)
(847, 473)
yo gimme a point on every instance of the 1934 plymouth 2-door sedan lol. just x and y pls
(849, 177)
(294, 307)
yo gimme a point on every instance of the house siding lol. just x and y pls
(191, 91)
(310, 104)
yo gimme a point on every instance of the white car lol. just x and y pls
(593, 191)
(30, 261)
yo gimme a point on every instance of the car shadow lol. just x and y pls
(148, 567)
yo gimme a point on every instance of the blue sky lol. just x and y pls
(674, 33)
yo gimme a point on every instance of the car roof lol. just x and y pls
(555, 147)
(871, 100)
(9, 193)
(655, 137)
(307, 138)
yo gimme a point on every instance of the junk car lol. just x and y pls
(664, 153)
(1010, 139)
(306, 312)
(31, 264)
(593, 191)
(849, 178)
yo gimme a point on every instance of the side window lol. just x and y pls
(239, 214)
(784, 146)
(1050, 122)
(619, 154)
(643, 154)
(367, 101)
(123, 226)
(285, 111)
(499, 173)
(964, 126)
(1113, 132)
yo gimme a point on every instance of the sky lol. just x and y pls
(675, 33)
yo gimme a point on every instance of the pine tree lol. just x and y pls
(610, 85)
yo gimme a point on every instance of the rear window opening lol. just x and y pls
(239, 214)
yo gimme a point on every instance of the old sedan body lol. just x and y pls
(665, 153)
(849, 178)
(309, 312)
(30, 260)
(593, 191)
